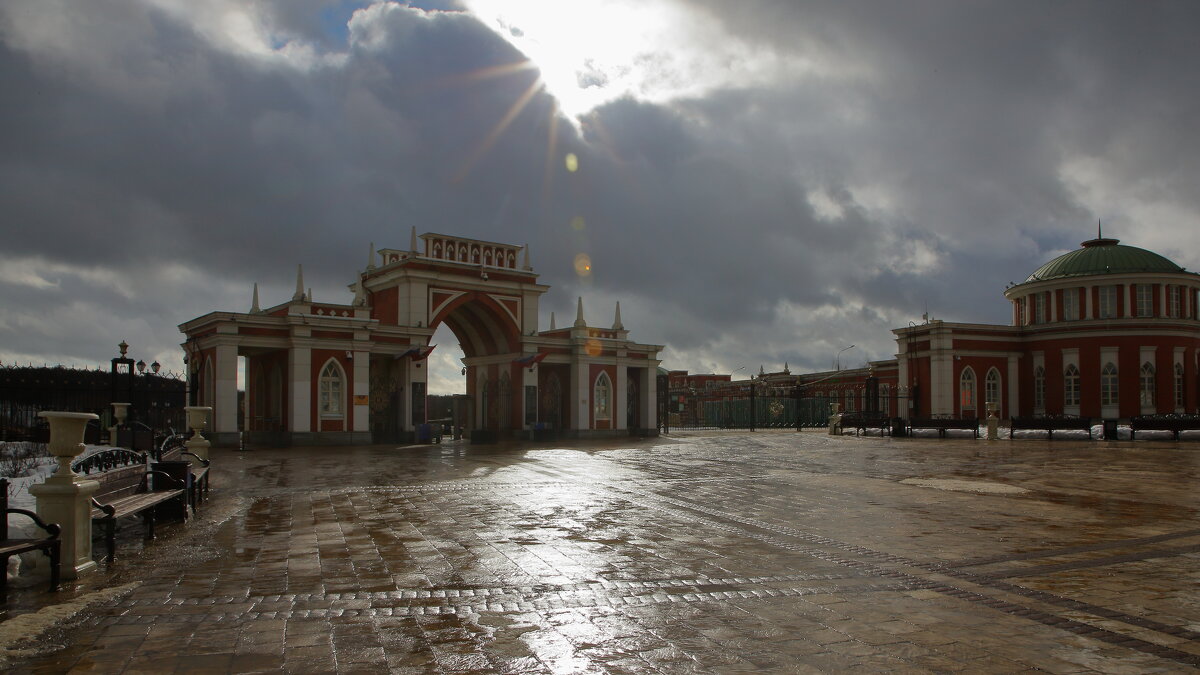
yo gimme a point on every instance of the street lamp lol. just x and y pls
(838, 358)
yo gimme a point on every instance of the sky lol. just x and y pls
(757, 182)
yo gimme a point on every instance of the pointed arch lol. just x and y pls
(1148, 383)
(331, 391)
(991, 386)
(1039, 389)
(1108, 384)
(1071, 385)
(967, 389)
(602, 397)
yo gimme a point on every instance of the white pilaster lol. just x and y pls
(621, 395)
(649, 389)
(580, 396)
(299, 389)
(362, 387)
(1014, 382)
(225, 407)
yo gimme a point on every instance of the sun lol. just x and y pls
(589, 52)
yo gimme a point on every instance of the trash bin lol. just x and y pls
(1110, 430)
(424, 433)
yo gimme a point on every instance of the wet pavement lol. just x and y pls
(706, 553)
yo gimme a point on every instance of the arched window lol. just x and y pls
(1071, 385)
(1039, 388)
(1108, 384)
(1179, 398)
(966, 389)
(331, 391)
(462, 253)
(602, 397)
(1147, 383)
(991, 387)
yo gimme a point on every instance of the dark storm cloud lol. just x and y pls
(153, 166)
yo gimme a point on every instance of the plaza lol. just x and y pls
(709, 552)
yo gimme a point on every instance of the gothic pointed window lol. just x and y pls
(991, 387)
(1108, 384)
(1071, 385)
(966, 389)
(332, 390)
(1179, 402)
(1147, 381)
(602, 397)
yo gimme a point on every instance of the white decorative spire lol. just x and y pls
(254, 308)
(308, 298)
(526, 266)
(617, 320)
(579, 322)
(298, 296)
(371, 257)
(412, 243)
(552, 326)
(360, 296)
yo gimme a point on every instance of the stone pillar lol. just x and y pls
(66, 497)
(835, 419)
(649, 387)
(621, 398)
(197, 417)
(299, 388)
(581, 390)
(993, 421)
(225, 407)
(362, 387)
(120, 412)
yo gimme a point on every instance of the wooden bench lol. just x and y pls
(131, 491)
(861, 421)
(49, 544)
(173, 448)
(1050, 424)
(943, 423)
(1174, 423)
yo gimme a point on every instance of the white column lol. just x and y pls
(649, 387)
(1014, 381)
(299, 386)
(530, 379)
(362, 387)
(621, 398)
(225, 389)
(415, 374)
(580, 396)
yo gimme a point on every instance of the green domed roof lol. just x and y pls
(1103, 256)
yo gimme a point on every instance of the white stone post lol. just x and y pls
(120, 413)
(66, 497)
(197, 417)
(993, 420)
(835, 419)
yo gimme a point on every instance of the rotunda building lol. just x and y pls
(1105, 331)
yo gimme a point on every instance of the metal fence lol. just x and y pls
(761, 412)
(156, 401)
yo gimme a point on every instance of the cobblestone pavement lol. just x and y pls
(717, 553)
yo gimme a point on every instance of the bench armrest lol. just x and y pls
(51, 528)
(108, 509)
(203, 462)
(167, 481)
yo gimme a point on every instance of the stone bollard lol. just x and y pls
(66, 497)
(120, 413)
(993, 421)
(835, 419)
(197, 417)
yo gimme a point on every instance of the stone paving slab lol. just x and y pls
(772, 551)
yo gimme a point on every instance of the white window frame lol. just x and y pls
(602, 397)
(331, 391)
(992, 387)
(1179, 388)
(1108, 303)
(1145, 300)
(1110, 385)
(1174, 301)
(1039, 308)
(1039, 388)
(968, 398)
(1071, 395)
(1147, 385)
(1070, 304)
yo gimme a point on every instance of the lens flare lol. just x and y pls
(583, 265)
(578, 223)
(593, 347)
(572, 162)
